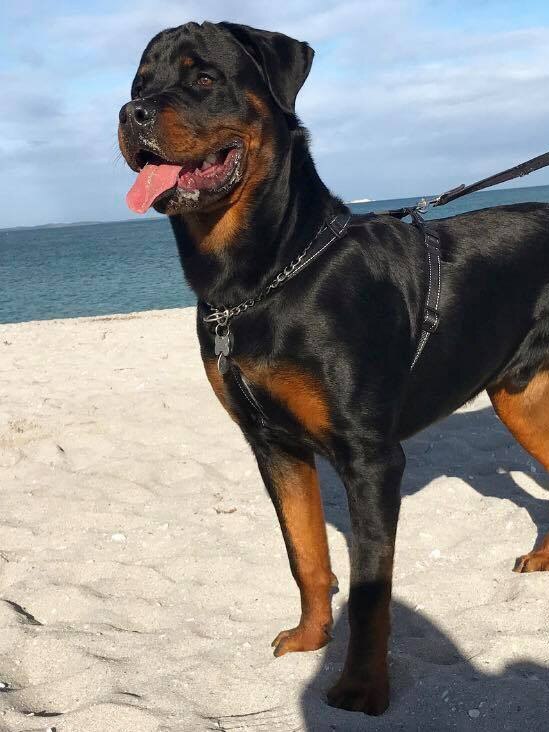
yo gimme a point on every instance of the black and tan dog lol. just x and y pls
(212, 132)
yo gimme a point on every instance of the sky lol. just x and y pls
(406, 97)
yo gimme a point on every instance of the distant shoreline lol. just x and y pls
(83, 223)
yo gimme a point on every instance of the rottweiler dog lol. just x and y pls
(325, 357)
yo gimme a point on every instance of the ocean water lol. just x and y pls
(122, 267)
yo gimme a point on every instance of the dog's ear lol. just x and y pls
(283, 62)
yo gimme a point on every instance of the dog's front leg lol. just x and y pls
(372, 481)
(292, 482)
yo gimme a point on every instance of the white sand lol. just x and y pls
(143, 575)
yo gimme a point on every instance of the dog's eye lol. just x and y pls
(204, 80)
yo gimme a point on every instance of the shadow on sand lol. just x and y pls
(434, 686)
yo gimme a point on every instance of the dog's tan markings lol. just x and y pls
(187, 61)
(222, 226)
(299, 507)
(526, 415)
(535, 561)
(297, 390)
(220, 229)
(258, 105)
(180, 140)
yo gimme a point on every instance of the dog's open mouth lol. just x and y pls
(159, 178)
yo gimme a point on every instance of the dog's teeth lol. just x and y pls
(206, 165)
(211, 159)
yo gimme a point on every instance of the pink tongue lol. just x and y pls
(151, 182)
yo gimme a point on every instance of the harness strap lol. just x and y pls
(431, 315)
(236, 376)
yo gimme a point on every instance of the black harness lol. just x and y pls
(330, 232)
(431, 316)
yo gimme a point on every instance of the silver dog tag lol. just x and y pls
(223, 344)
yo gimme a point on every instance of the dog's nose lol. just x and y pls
(140, 112)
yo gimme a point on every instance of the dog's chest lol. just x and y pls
(282, 386)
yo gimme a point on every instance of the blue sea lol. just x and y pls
(122, 267)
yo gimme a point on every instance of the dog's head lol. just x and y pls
(210, 104)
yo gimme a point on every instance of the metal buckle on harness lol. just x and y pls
(337, 232)
(432, 239)
(430, 320)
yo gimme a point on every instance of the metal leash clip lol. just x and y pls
(422, 206)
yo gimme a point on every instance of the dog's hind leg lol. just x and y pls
(526, 415)
(292, 482)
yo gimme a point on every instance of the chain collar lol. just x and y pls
(221, 316)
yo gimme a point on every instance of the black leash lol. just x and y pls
(541, 161)
(519, 171)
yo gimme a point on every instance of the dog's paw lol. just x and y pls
(302, 638)
(357, 696)
(536, 561)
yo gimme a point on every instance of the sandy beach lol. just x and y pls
(143, 573)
